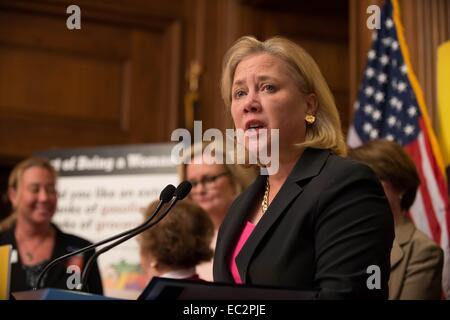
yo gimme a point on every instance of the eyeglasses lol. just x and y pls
(207, 180)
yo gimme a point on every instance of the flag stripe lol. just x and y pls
(432, 185)
(419, 219)
(414, 151)
(437, 184)
(448, 179)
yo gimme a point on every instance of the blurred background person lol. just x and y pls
(178, 243)
(416, 261)
(35, 239)
(214, 188)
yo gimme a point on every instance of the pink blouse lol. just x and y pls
(242, 239)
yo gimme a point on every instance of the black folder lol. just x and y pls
(174, 289)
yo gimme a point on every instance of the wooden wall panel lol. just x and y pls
(88, 85)
(122, 77)
(115, 81)
(427, 26)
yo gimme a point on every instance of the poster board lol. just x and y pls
(103, 191)
(5, 271)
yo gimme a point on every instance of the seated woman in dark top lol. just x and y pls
(35, 239)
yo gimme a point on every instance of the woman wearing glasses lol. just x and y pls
(214, 188)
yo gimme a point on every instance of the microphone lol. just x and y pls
(180, 193)
(165, 196)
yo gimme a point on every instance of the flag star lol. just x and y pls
(412, 111)
(369, 91)
(372, 54)
(404, 69)
(356, 105)
(390, 137)
(394, 45)
(367, 127)
(379, 96)
(368, 109)
(376, 115)
(382, 78)
(401, 87)
(384, 59)
(409, 130)
(387, 41)
(393, 101)
(389, 23)
(394, 84)
(399, 106)
(391, 121)
(370, 72)
(374, 134)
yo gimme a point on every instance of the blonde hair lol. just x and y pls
(17, 172)
(15, 177)
(326, 132)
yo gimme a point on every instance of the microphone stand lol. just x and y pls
(168, 189)
(90, 263)
(180, 193)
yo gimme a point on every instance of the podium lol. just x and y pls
(174, 289)
(57, 294)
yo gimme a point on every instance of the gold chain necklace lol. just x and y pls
(265, 201)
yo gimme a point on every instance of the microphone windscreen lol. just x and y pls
(167, 193)
(183, 190)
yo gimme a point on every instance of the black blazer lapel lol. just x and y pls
(288, 192)
(308, 166)
(233, 226)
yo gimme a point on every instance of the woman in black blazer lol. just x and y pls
(320, 222)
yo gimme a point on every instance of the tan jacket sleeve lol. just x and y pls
(424, 272)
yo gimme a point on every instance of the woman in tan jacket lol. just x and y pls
(416, 261)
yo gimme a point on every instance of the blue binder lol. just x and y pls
(57, 294)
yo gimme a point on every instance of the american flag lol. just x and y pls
(390, 106)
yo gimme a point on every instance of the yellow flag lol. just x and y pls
(5, 271)
(443, 72)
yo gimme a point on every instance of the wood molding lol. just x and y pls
(123, 65)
